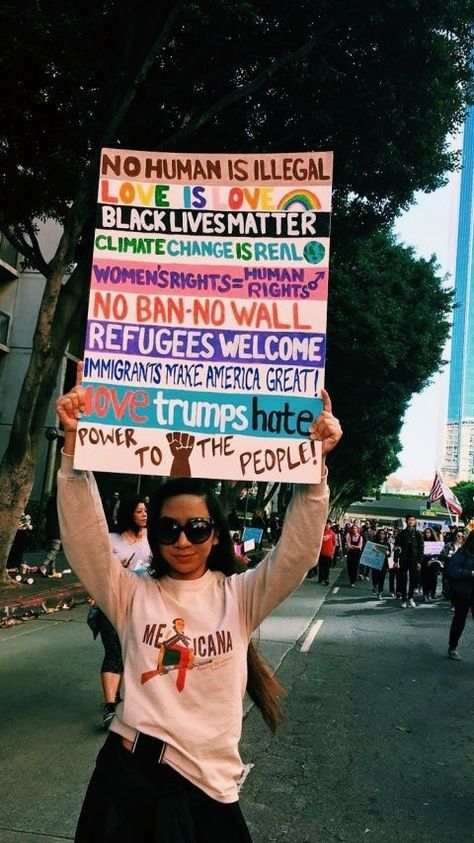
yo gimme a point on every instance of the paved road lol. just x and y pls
(378, 742)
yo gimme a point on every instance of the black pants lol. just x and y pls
(407, 577)
(112, 662)
(129, 801)
(462, 605)
(429, 578)
(18, 548)
(324, 566)
(352, 562)
(378, 577)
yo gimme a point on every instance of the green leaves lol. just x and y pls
(388, 322)
(381, 88)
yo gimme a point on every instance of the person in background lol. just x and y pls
(393, 572)
(339, 544)
(461, 585)
(111, 511)
(233, 519)
(378, 576)
(275, 527)
(429, 567)
(130, 547)
(242, 557)
(368, 531)
(16, 560)
(354, 547)
(328, 549)
(53, 539)
(445, 557)
(408, 553)
(130, 542)
(448, 535)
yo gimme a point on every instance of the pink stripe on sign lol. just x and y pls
(295, 169)
(305, 283)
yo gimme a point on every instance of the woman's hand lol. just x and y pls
(326, 428)
(70, 408)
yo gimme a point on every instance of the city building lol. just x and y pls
(21, 291)
(459, 434)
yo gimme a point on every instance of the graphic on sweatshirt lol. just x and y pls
(175, 654)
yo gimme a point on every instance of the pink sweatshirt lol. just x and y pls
(184, 642)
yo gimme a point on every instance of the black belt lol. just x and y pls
(147, 749)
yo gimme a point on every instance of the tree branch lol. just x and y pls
(244, 91)
(113, 121)
(41, 263)
(34, 257)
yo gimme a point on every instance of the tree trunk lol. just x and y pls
(56, 318)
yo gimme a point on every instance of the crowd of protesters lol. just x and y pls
(422, 565)
(416, 561)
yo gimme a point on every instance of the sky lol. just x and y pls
(430, 227)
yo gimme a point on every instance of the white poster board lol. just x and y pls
(206, 333)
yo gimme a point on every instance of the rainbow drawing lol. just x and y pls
(308, 200)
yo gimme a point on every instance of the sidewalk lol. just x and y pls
(21, 602)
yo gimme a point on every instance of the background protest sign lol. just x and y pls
(373, 555)
(432, 548)
(206, 331)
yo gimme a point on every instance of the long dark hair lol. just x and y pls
(125, 520)
(262, 686)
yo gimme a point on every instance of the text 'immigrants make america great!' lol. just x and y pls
(206, 332)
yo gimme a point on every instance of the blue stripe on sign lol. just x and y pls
(264, 416)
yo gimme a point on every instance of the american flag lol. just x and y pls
(440, 490)
(436, 492)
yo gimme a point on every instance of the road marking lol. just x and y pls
(335, 590)
(28, 632)
(244, 775)
(38, 834)
(314, 629)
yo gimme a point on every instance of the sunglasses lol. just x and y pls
(196, 530)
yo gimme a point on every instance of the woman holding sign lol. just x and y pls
(429, 565)
(378, 575)
(169, 768)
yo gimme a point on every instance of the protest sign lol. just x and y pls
(432, 548)
(373, 555)
(254, 534)
(206, 332)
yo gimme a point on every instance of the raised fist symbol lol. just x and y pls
(181, 446)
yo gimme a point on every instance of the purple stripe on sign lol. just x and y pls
(211, 345)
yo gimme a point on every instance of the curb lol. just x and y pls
(17, 608)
